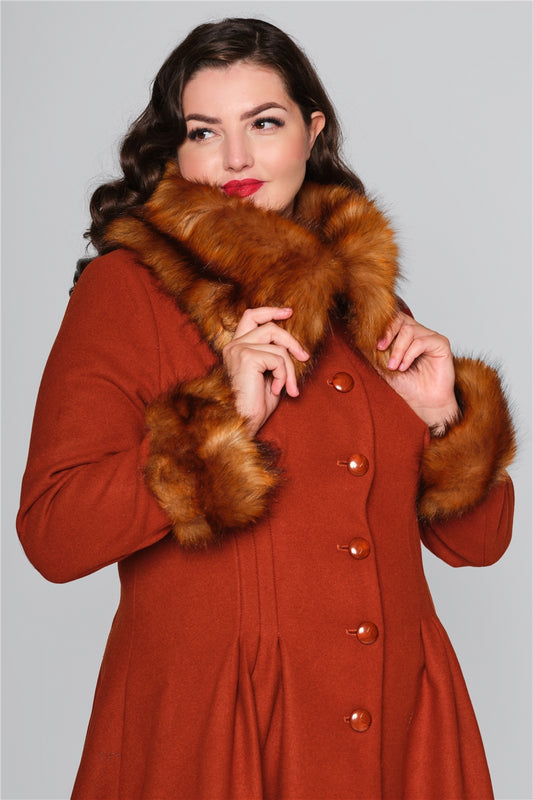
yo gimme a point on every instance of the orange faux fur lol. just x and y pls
(460, 468)
(218, 256)
(206, 471)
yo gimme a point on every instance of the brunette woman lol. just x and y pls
(239, 410)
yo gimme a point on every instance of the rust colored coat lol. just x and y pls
(281, 642)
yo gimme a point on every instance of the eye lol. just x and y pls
(267, 123)
(200, 134)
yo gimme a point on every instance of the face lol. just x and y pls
(246, 135)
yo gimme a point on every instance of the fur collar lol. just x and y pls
(218, 256)
(335, 258)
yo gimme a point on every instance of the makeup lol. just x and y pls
(242, 188)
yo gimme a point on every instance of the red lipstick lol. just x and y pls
(242, 188)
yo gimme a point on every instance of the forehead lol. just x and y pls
(236, 87)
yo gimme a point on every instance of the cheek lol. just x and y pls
(291, 162)
(194, 166)
(184, 163)
(292, 169)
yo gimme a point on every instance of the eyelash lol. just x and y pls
(274, 120)
(196, 134)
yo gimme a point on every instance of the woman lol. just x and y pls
(241, 413)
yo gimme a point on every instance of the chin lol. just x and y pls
(283, 209)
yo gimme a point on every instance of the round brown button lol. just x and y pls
(360, 720)
(367, 632)
(342, 382)
(358, 465)
(359, 548)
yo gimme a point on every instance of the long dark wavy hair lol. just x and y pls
(156, 134)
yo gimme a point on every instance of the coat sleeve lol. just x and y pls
(116, 460)
(480, 536)
(84, 503)
(466, 498)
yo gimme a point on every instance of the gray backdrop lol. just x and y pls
(436, 104)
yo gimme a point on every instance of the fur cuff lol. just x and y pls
(205, 470)
(460, 468)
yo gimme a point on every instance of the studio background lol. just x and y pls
(435, 100)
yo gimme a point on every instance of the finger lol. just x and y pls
(270, 333)
(282, 373)
(392, 331)
(253, 317)
(279, 379)
(429, 344)
(288, 381)
(403, 340)
(413, 351)
(248, 360)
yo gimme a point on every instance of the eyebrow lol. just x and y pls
(247, 114)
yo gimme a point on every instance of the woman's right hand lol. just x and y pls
(259, 346)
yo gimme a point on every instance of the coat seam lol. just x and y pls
(128, 668)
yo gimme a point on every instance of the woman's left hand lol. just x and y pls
(421, 371)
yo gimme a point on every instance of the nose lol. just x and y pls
(237, 152)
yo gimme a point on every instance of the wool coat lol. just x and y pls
(275, 637)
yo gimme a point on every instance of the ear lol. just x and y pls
(316, 125)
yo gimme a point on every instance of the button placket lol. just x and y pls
(366, 633)
(358, 464)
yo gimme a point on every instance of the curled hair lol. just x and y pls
(157, 133)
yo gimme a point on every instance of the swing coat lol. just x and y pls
(275, 637)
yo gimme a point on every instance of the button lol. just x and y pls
(360, 720)
(359, 548)
(366, 632)
(358, 465)
(342, 382)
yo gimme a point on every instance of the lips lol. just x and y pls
(242, 188)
